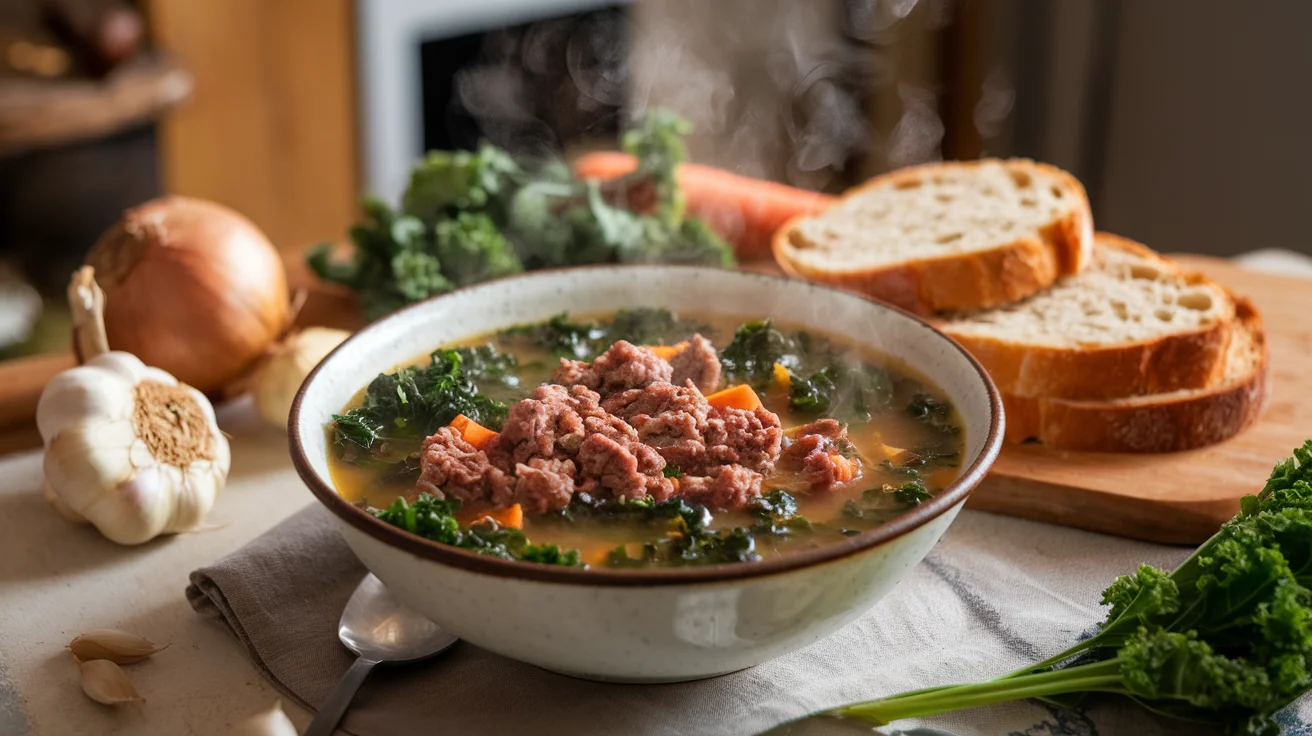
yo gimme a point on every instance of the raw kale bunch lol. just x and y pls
(400, 409)
(434, 518)
(470, 216)
(1226, 638)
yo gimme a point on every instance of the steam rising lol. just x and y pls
(918, 137)
(778, 89)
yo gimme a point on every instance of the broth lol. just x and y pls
(911, 439)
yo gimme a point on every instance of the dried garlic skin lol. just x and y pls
(113, 645)
(272, 722)
(104, 682)
(130, 449)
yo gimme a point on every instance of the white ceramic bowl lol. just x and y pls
(648, 625)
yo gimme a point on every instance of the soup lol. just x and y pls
(645, 439)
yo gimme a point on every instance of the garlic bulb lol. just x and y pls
(289, 362)
(128, 447)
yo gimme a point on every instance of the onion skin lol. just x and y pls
(193, 288)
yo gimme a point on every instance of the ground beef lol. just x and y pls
(698, 363)
(572, 373)
(453, 468)
(670, 418)
(815, 453)
(543, 485)
(613, 431)
(552, 423)
(629, 471)
(623, 366)
(724, 487)
(660, 399)
(752, 439)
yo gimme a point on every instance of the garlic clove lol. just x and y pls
(61, 507)
(118, 647)
(78, 393)
(289, 362)
(104, 682)
(193, 496)
(125, 365)
(271, 722)
(80, 462)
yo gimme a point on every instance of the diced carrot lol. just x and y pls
(735, 397)
(665, 352)
(508, 518)
(891, 452)
(781, 376)
(473, 432)
(744, 211)
(844, 469)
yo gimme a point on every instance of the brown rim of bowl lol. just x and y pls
(955, 493)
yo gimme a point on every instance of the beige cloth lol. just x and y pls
(994, 594)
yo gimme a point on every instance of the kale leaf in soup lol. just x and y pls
(585, 340)
(805, 441)
(402, 408)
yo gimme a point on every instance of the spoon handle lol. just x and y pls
(332, 710)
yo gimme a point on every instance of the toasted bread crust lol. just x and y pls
(1171, 423)
(961, 281)
(1185, 360)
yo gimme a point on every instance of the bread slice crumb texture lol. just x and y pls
(934, 212)
(1127, 294)
(1166, 422)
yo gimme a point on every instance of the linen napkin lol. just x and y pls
(994, 594)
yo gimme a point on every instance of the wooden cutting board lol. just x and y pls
(1176, 498)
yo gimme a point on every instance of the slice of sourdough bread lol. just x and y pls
(960, 235)
(1131, 324)
(1166, 422)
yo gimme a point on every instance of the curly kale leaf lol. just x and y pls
(849, 390)
(912, 493)
(541, 225)
(586, 340)
(448, 181)
(933, 412)
(401, 408)
(392, 265)
(691, 243)
(434, 518)
(755, 348)
(777, 513)
(1225, 638)
(1148, 591)
(1290, 483)
(687, 536)
(472, 249)
(470, 216)
(563, 338)
(658, 143)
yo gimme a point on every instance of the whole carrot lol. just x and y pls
(742, 210)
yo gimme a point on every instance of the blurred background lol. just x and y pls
(1185, 119)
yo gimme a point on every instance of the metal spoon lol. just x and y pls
(376, 626)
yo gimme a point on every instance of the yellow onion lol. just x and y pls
(192, 288)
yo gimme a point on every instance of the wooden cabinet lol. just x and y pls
(270, 129)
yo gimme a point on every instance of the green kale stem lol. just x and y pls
(1102, 676)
